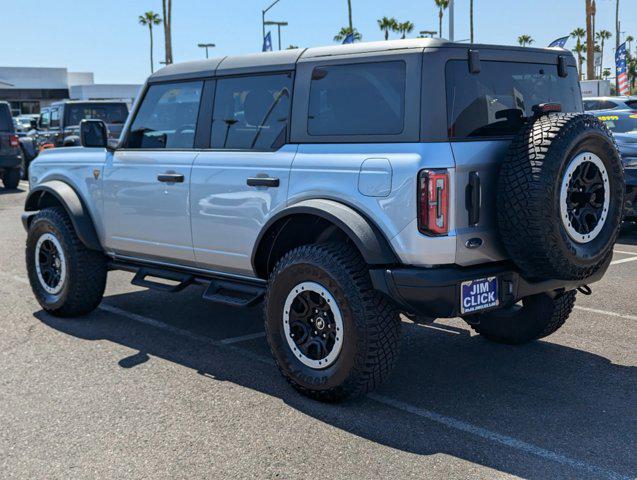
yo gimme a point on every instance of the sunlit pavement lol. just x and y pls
(157, 385)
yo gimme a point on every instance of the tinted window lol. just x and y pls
(632, 103)
(357, 99)
(111, 113)
(6, 121)
(45, 119)
(55, 117)
(251, 112)
(606, 105)
(167, 117)
(620, 123)
(591, 105)
(494, 102)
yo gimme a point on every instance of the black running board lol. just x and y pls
(226, 291)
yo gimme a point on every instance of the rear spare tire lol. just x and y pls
(560, 197)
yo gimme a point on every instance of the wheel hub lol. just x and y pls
(584, 197)
(50, 264)
(313, 325)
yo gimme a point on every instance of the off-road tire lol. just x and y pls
(85, 280)
(528, 197)
(371, 323)
(11, 178)
(539, 316)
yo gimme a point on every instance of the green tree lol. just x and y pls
(629, 42)
(602, 36)
(387, 25)
(405, 27)
(525, 40)
(148, 19)
(442, 5)
(580, 48)
(606, 73)
(345, 31)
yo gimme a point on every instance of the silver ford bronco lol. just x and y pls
(342, 186)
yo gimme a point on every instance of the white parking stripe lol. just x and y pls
(606, 312)
(433, 327)
(242, 338)
(496, 437)
(623, 260)
(447, 421)
(625, 252)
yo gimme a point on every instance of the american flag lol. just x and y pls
(622, 74)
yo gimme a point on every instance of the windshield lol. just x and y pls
(110, 113)
(620, 123)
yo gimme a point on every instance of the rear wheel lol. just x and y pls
(537, 317)
(67, 278)
(331, 334)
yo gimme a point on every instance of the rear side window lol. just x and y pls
(251, 113)
(167, 117)
(494, 102)
(357, 99)
(6, 122)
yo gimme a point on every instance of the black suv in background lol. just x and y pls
(59, 124)
(11, 160)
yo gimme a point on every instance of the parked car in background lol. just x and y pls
(11, 159)
(623, 124)
(59, 124)
(593, 104)
(26, 123)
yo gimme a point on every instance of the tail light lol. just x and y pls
(13, 141)
(433, 202)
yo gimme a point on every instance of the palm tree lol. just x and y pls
(167, 10)
(345, 31)
(387, 24)
(606, 73)
(580, 48)
(149, 19)
(442, 5)
(602, 36)
(525, 40)
(471, 19)
(629, 41)
(405, 28)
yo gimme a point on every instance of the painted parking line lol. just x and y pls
(450, 422)
(625, 252)
(440, 329)
(606, 312)
(624, 260)
(242, 338)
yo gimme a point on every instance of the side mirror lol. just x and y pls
(93, 134)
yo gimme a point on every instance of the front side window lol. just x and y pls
(167, 117)
(496, 101)
(357, 99)
(45, 119)
(251, 113)
(109, 113)
(55, 118)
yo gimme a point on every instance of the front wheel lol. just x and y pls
(537, 317)
(331, 334)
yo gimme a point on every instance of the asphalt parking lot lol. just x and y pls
(167, 385)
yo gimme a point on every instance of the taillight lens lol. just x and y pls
(433, 202)
(13, 141)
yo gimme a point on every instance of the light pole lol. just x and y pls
(279, 25)
(451, 20)
(263, 12)
(206, 46)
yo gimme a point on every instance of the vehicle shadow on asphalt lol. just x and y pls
(564, 400)
(7, 191)
(628, 234)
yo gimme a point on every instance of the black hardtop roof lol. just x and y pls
(287, 59)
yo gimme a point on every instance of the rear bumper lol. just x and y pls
(435, 292)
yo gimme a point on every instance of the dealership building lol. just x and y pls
(28, 89)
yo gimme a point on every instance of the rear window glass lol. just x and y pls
(357, 99)
(6, 122)
(620, 123)
(114, 113)
(493, 102)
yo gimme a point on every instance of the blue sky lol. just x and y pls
(105, 38)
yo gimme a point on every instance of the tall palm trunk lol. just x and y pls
(601, 60)
(471, 19)
(150, 30)
(590, 46)
(349, 13)
(440, 23)
(166, 6)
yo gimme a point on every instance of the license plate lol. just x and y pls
(478, 294)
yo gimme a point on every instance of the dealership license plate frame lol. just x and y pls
(466, 286)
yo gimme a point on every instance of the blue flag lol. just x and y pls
(622, 72)
(267, 43)
(560, 42)
(349, 38)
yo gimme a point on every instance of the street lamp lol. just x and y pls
(263, 12)
(206, 46)
(279, 25)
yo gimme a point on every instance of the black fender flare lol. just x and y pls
(366, 236)
(72, 203)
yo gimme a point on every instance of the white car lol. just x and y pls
(592, 104)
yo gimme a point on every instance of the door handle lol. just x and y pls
(263, 182)
(171, 177)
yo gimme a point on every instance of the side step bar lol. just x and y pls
(226, 291)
